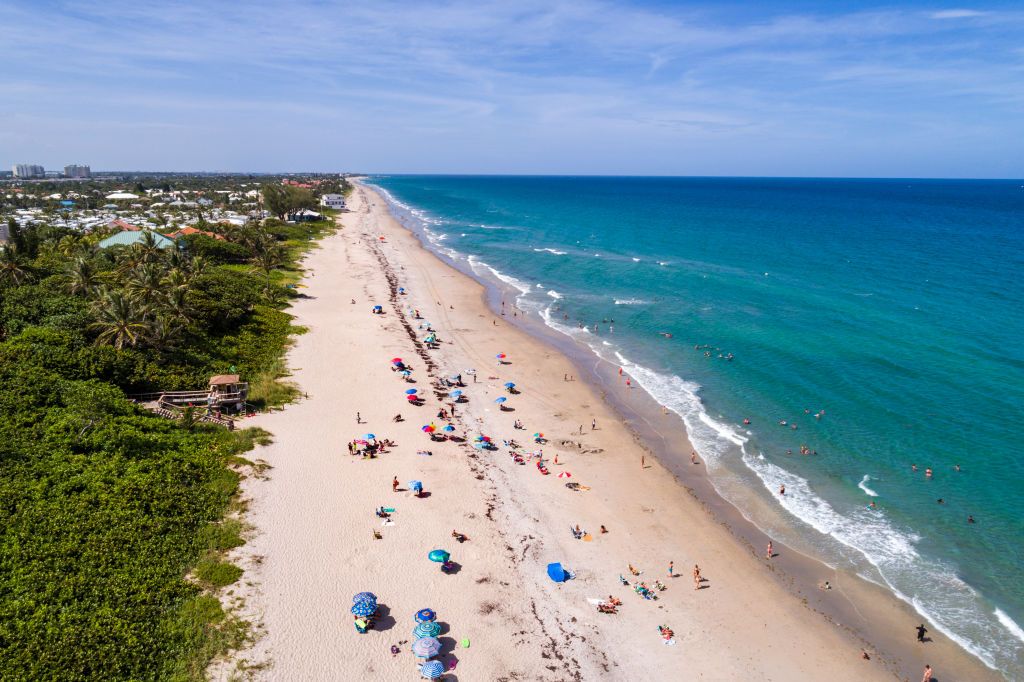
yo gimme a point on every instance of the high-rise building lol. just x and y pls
(76, 171)
(28, 170)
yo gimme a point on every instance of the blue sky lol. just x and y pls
(536, 86)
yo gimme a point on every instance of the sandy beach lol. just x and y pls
(313, 545)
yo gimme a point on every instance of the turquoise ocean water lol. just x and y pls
(892, 306)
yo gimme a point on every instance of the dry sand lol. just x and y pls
(313, 515)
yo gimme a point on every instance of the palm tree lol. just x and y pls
(13, 270)
(118, 320)
(145, 284)
(269, 255)
(82, 276)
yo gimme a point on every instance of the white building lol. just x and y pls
(76, 171)
(28, 170)
(335, 201)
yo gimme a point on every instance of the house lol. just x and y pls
(228, 390)
(129, 237)
(178, 234)
(119, 224)
(335, 201)
(122, 196)
(304, 216)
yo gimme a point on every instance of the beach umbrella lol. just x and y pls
(426, 647)
(411, 398)
(510, 385)
(363, 596)
(364, 608)
(456, 393)
(411, 391)
(396, 361)
(500, 400)
(439, 556)
(424, 616)
(449, 428)
(370, 436)
(405, 373)
(538, 435)
(432, 670)
(501, 356)
(426, 629)
(429, 428)
(416, 485)
(565, 474)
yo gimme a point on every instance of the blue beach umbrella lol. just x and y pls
(510, 385)
(500, 400)
(428, 629)
(456, 393)
(439, 556)
(416, 485)
(424, 616)
(449, 428)
(370, 436)
(364, 608)
(362, 596)
(432, 670)
(411, 391)
(426, 647)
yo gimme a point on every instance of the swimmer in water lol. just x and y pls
(871, 505)
(956, 467)
(970, 519)
(913, 467)
(782, 489)
(928, 472)
(746, 421)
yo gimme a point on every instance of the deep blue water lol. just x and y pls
(892, 305)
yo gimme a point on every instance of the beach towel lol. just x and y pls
(587, 537)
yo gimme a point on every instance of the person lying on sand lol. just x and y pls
(459, 536)
(613, 601)
(633, 570)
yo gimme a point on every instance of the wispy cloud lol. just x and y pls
(957, 14)
(463, 85)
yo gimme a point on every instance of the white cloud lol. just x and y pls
(957, 14)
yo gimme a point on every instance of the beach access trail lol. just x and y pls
(312, 545)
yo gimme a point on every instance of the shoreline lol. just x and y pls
(863, 608)
(312, 512)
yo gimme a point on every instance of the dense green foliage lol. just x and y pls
(111, 519)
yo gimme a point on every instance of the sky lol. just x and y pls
(853, 89)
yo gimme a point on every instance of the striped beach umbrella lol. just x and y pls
(564, 474)
(426, 647)
(432, 670)
(428, 629)
(500, 356)
(424, 616)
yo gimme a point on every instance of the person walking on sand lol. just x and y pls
(671, 567)
(359, 418)
(769, 553)
(593, 425)
(927, 674)
(696, 577)
(921, 632)
(642, 462)
(394, 484)
(693, 457)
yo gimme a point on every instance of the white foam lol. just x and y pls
(554, 294)
(636, 260)
(863, 485)
(1009, 624)
(630, 301)
(555, 252)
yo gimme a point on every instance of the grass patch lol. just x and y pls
(215, 573)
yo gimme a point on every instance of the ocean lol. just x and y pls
(881, 318)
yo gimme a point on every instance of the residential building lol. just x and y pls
(76, 171)
(28, 170)
(335, 201)
(128, 237)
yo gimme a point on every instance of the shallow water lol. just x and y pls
(890, 307)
